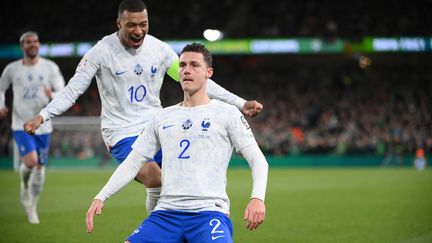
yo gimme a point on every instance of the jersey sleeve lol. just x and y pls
(173, 70)
(5, 82)
(215, 91)
(56, 80)
(124, 174)
(147, 143)
(259, 166)
(239, 130)
(79, 83)
(172, 62)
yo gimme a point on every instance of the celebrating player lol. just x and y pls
(198, 136)
(33, 80)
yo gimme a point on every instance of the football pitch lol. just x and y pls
(303, 205)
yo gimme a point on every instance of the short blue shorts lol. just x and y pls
(27, 143)
(122, 149)
(178, 226)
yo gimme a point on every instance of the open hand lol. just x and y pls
(95, 209)
(254, 214)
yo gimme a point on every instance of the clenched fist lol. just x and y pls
(31, 125)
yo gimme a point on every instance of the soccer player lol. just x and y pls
(198, 136)
(129, 67)
(33, 80)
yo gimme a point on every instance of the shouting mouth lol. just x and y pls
(136, 41)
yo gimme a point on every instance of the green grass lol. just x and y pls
(303, 205)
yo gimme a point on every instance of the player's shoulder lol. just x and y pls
(14, 64)
(47, 62)
(153, 40)
(225, 107)
(108, 39)
(109, 43)
(155, 44)
(169, 109)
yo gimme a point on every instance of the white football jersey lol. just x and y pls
(197, 144)
(28, 87)
(129, 82)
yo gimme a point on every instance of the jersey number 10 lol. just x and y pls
(137, 94)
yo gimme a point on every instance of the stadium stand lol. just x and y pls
(313, 104)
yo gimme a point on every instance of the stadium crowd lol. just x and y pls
(307, 110)
(89, 20)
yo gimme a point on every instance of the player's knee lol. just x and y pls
(30, 159)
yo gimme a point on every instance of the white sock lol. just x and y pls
(25, 173)
(37, 182)
(153, 195)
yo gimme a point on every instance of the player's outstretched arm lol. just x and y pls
(95, 209)
(124, 174)
(31, 125)
(249, 108)
(254, 214)
(252, 108)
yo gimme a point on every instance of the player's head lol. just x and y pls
(29, 42)
(195, 67)
(132, 22)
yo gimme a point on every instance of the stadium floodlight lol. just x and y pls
(212, 35)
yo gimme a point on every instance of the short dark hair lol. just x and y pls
(199, 48)
(132, 6)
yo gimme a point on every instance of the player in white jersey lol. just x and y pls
(33, 80)
(129, 67)
(198, 136)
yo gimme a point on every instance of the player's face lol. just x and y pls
(193, 71)
(133, 26)
(30, 46)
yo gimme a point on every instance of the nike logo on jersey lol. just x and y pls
(167, 126)
(216, 237)
(120, 72)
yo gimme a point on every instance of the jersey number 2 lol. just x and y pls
(186, 145)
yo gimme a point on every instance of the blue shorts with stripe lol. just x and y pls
(170, 226)
(122, 149)
(28, 143)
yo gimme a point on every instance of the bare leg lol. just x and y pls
(150, 176)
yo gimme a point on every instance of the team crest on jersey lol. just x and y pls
(138, 69)
(187, 124)
(205, 124)
(82, 63)
(153, 70)
(41, 78)
(243, 120)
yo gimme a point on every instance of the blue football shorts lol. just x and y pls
(28, 143)
(178, 226)
(123, 148)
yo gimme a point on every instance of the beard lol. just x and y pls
(32, 52)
